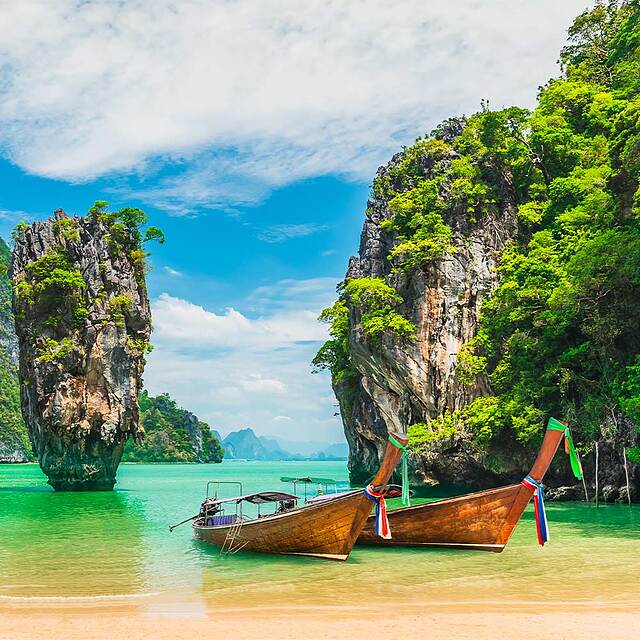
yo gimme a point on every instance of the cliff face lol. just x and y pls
(404, 382)
(14, 442)
(83, 323)
(497, 284)
(401, 382)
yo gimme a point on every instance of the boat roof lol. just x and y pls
(258, 498)
(308, 479)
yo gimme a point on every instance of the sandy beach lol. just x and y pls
(181, 621)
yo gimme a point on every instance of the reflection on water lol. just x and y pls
(56, 544)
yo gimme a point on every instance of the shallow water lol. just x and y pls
(107, 545)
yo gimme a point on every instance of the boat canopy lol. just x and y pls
(308, 479)
(258, 498)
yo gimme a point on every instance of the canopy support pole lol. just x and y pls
(626, 473)
(597, 456)
(584, 485)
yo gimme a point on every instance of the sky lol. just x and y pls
(250, 133)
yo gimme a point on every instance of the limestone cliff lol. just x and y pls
(397, 382)
(403, 382)
(497, 283)
(83, 323)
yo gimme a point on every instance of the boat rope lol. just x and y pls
(542, 526)
(405, 470)
(382, 523)
(569, 447)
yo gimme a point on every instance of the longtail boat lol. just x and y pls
(483, 520)
(325, 528)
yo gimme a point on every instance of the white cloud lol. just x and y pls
(282, 232)
(185, 323)
(234, 369)
(245, 96)
(172, 272)
(15, 215)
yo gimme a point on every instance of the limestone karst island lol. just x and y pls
(290, 283)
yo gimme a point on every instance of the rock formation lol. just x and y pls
(497, 284)
(83, 324)
(402, 382)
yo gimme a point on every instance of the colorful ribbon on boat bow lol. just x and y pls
(405, 470)
(569, 447)
(542, 526)
(382, 523)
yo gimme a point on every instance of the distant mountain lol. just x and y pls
(246, 445)
(305, 449)
(337, 451)
(274, 448)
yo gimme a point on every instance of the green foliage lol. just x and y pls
(333, 355)
(67, 228)
(422, 233)
(154, 233)
(126, 233)
(19, 229)
(139, 346)
(469, 365)
(52, 351)
(559, 335)
(490, 161)
(119, 307)
(13, 433)
(53, 291)
(376, 300)
(422, 436)
(170, 432)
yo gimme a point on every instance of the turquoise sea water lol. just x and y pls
(108, 545)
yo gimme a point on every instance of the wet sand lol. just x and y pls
(177, 621)
(313, 624)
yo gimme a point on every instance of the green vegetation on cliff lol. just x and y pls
(13, 433)
(172, 434)
(126, 233)
(376, 301)
(559, 335)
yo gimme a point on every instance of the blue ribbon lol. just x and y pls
(542, 525)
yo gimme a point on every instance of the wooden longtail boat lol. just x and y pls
(325, 528)
(483, 520)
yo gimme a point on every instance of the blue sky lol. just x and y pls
(250, 133)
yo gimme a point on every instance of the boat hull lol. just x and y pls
(481, 521)
(323, 530)
(328, 529)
